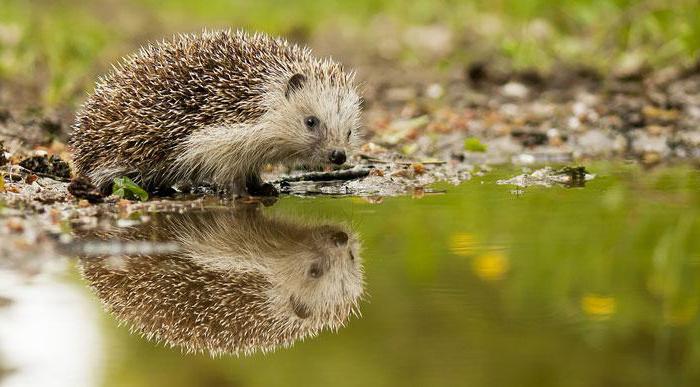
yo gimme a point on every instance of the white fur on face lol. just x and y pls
(326, 297)
(338, 109)
(332, 295)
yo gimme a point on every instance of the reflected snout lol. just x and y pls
(337, 156)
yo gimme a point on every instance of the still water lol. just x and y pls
(482, 285)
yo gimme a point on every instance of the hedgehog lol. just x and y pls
(240, 282)
(216, 108)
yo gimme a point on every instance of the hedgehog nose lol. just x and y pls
(340, 238)
(337, 156)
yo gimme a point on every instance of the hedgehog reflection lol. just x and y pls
(241, 281)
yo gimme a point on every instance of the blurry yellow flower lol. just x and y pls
(491, 266)
(598, 306)
(463, 244)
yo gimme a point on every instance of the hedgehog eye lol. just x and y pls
(311, 122)
(349, 133)
(315, 271)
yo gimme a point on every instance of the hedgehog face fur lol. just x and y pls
(240, 283)
(314, 281)
(323, 117)
(216, 107)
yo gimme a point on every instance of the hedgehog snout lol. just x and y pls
(337, 156)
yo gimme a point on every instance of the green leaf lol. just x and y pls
(124, 187)
(472, 144)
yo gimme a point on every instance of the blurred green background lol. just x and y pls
(594, 286)
(582, 287)
(52, 50)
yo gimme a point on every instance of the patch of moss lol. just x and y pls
(473, 144)
(125, 188)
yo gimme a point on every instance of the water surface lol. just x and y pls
(481, 286)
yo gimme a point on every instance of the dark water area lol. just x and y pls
(482, 285)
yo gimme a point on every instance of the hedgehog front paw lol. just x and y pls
(264, 189)
(256, 187)
(262, 193)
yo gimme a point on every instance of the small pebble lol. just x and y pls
(418, 168)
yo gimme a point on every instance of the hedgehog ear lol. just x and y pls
(300, 309)
(295, 83)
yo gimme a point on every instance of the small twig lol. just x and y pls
(437, 162)
(346, 174)
(50, 176)
(54, 177)
(14, 177)
(400, 162)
